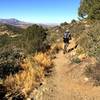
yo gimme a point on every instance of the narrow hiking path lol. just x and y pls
(67, 82)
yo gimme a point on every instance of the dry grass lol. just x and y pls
(55, 48)
(23, 81)
(43, 60)
(32, 74)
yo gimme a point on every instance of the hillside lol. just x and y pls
(34, 66)
(77, 73)
(9, 30)
(15, 22)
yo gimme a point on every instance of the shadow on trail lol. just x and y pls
(71, 49)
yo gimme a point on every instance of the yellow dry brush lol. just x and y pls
(31, 75)
(43, 60)
(23, 81)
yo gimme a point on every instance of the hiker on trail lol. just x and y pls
(66, 38)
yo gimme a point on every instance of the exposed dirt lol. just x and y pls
(68, 81)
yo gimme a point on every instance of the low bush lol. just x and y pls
(44, 61)
(35, 38)
(76, 60)
(22, 82)
(32, 39)
(10, 61)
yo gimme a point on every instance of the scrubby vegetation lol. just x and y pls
(31, 39)
(20, 72)
(87, 37)
(76, 60)
(63, 24)
(26, 54)
(8, 29)
(35, 36)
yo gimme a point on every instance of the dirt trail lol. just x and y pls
(68, 83)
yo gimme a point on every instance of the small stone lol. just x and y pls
(86, 79)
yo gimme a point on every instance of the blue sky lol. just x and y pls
(40, 11)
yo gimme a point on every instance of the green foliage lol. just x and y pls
(31, 39)
(63, 24)
(80, 51)
(76, 60)
(90, 41)
(73, 21)
(90, 8)
(52, 37)
(84, 7)
(10, 59)
(4, 39)
(15, 30)
(12, 50)
(35, 37)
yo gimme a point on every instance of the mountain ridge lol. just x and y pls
(15, 22)
(22, 24)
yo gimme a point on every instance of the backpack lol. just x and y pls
(66, 35)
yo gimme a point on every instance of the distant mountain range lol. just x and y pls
(22, 24)
(15, 22)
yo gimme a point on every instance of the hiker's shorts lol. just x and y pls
(65, 40)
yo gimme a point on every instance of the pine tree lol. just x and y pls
(90, 8)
